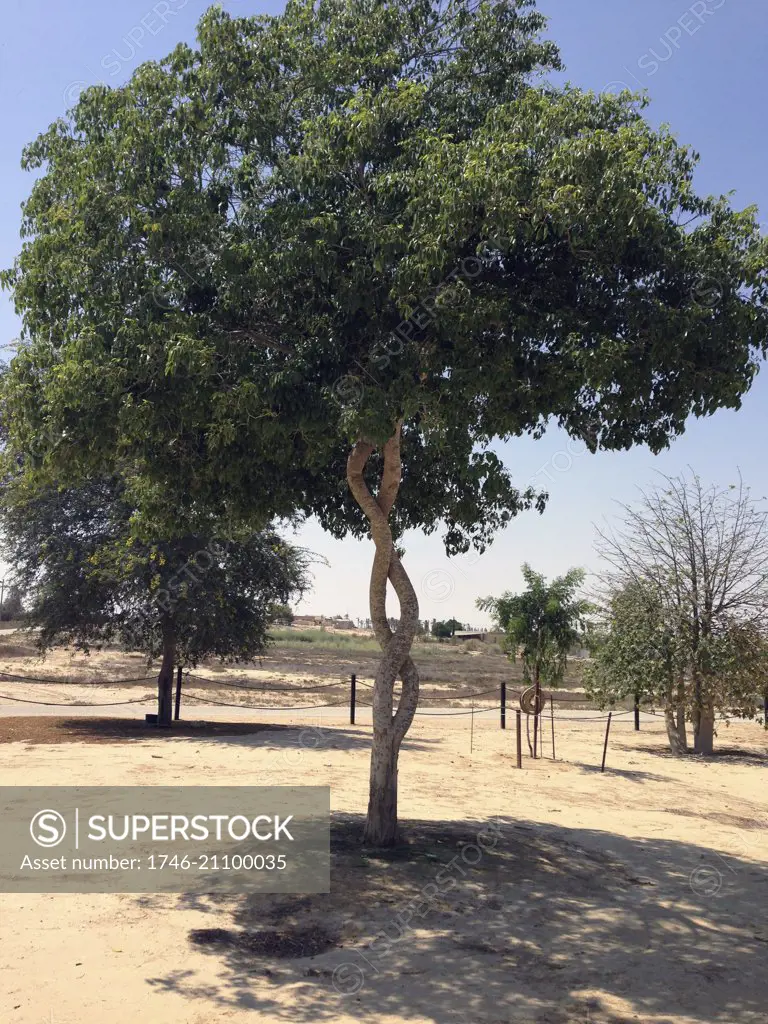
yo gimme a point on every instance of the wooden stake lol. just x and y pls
(552, 715)
(605, 746)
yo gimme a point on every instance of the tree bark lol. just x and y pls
(389, 724)
(704, 731)
(165, 679)
(680, 722)
(674, 716)
(537, 706)
(678, 742)
(702, 716)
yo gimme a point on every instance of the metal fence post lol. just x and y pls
(177, 709)
(552, 715)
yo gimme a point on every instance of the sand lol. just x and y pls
(638, 895)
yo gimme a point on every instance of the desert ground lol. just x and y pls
(634, 895)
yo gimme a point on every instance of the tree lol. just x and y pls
(91, 582)
(13, 605)
(641, 648)
(281, 614)
(540, 626)
(688, 575)
(445, 630)
(637, 652)
(736, 663)
(360, 240)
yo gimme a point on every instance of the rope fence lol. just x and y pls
(503, 695)
(56, 704)
(263, 689)
(537, 711)
(74, 682)
(266, 707)
(194, 677)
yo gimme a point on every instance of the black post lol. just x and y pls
(605, 747)
(165, 698)
(637, 712)
(519, 728)
(503, 705)
(352, 700)
(552, 714)
(177, 709)
(765, 711)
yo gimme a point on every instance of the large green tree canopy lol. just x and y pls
(215, 245)
(366, 238)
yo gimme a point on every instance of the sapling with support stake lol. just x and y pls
(541, 625)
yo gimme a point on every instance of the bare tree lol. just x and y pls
(702, 553)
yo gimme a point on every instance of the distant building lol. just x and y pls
(329, 622)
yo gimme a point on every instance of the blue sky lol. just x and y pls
(703, 65)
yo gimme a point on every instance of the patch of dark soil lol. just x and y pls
(44, 729)
(286, 944)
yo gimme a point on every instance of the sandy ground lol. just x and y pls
(638, 895)
(446, 670)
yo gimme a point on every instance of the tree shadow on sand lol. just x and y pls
(54, 729)
(630, 774)
(722, 755)
(490, 923)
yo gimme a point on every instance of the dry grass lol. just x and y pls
(290, 673)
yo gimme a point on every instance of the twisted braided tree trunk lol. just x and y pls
(389, 724)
